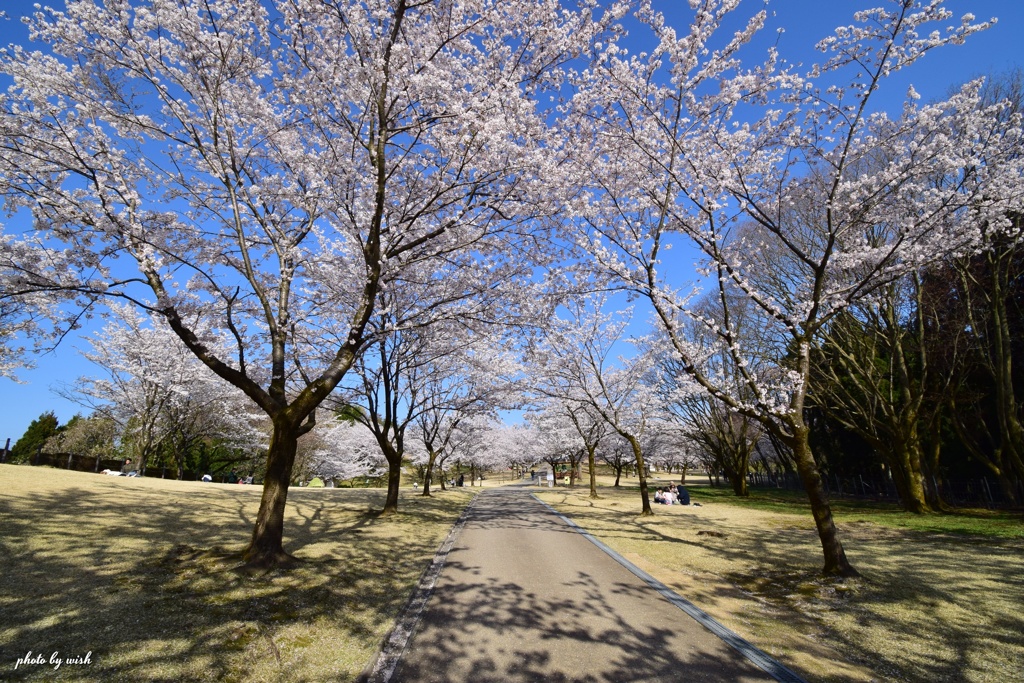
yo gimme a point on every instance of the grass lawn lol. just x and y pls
(139, 572)
(941, 598)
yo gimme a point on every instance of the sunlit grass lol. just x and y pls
(972, 521)
(941, 598)
(143, 574)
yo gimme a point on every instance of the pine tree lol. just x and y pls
(41, 429)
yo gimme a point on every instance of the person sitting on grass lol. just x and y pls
(683, 494)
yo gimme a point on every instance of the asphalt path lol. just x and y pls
(524, 596)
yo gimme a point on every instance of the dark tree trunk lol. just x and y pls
(591, 463)
(931, 469)
(266, 547)
(394, 459)
(905, 461)
(836, 563)
(738, 480)
(429, 474)
(645, 500)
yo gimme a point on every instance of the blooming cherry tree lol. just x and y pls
(474, 378)
(346, 450)
(797, 195)
(270, 167)
(575, 429)
(578, 364)
(158, 394)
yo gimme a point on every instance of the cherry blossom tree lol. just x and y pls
(25, 312)
(794, 191)
(575, 430)
(484, 443)
(463, 444)
(272, 166)
(669, 447)
(471, 380)
(557, 443)
(346, 450)
(578, 363)
(617, 453)
(431, 374)
(387, 392)
(454, 440)
(591, 430)
(722, 437)
(158, 393)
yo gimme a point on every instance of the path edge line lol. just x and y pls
(395, 642)
(756, 656)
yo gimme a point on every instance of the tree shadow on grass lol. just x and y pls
(145, 580)
(932, 607)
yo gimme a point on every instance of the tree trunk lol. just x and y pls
(645, 501)
(1008, 485)
(738, 480)
(931, 469)
(266, 547)
(836, 563)
(591, 463)
(394, 459)
(429, 473)
(906, 459)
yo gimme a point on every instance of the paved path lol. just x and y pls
(523, 596)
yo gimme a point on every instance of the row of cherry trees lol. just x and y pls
(327, 201)
(276, 169)
(798, 210)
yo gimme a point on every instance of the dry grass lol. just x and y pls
(931, 607)
(140, 573)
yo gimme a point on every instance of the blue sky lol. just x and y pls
(805, 22)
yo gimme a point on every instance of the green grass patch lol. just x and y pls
(972, 521)
(143, 575)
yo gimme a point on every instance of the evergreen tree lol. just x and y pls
(41, 429)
